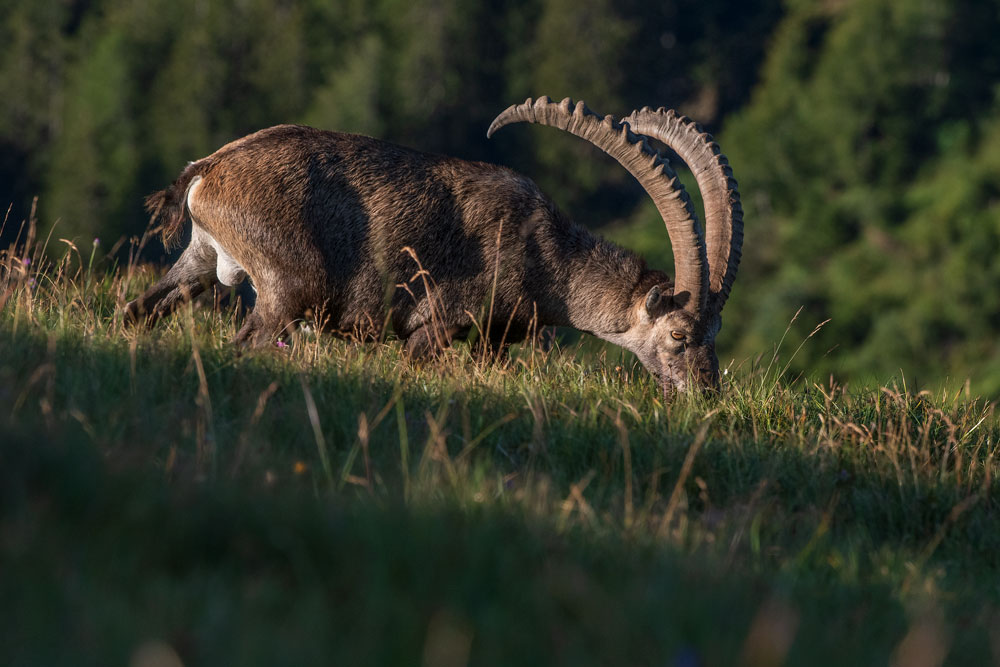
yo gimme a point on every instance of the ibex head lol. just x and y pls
(672, 328)
(674, 345)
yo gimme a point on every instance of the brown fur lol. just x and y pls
(356, 233)
(320, 221)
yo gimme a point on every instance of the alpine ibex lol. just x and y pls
(368, 233)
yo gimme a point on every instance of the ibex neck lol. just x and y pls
(603, 287)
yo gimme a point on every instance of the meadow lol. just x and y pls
(165, 498)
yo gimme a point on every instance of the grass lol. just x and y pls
(331, 503)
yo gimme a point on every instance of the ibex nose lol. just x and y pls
(712, 382)
(705, 374)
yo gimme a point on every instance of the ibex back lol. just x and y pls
(357, 233)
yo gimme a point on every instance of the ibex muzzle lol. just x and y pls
(358, 233)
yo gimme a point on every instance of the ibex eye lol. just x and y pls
(677, 335)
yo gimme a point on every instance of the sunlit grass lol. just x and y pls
(800, 511)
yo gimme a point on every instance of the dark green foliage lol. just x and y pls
(866, 165)
(115, 97)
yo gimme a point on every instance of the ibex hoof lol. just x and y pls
(135, 314)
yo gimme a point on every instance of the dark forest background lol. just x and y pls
(865, 135)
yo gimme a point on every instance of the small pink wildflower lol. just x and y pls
(97, 241)
(26, 261)
(282, 344)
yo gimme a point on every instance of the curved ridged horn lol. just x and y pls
(633, 152)
(723, 211)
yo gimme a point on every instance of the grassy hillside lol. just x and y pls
(331, 503)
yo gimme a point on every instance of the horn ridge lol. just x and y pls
(720, 192)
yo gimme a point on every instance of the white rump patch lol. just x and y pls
(229, 271)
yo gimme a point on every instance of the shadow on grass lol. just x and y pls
(109, 560)
(140, 502)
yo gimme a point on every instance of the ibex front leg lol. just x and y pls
(430, 339)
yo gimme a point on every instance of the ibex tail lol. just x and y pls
(168, 208)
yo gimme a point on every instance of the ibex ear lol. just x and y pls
(680, 299)
(656, 302)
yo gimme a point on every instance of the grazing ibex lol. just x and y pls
(368, 233)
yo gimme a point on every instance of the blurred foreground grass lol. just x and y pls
(163, 497)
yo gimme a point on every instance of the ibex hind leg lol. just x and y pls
(269, 320)
(192, 274)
